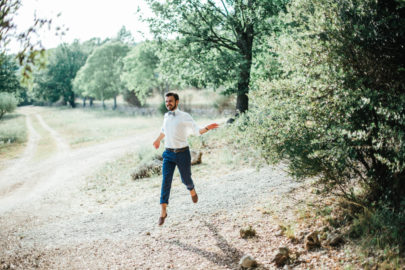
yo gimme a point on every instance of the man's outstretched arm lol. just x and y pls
(156, 143)
(209, 127)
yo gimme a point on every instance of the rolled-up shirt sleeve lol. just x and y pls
(162, 129)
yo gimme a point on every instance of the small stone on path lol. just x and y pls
(247, 261)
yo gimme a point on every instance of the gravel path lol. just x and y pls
(48, 222)
(230, 194)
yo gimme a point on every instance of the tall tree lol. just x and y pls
(101, 75)
(141, 71)
(56, 81)
(125, 36)
(218, 37)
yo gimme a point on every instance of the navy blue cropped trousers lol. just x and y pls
(183, 162)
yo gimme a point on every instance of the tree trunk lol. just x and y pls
(115, 103)
(72, 100)
(242, 103)
(245, 45)
(103, 104)
(91, 102)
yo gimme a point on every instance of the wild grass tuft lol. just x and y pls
(13, 129)
(380, 227)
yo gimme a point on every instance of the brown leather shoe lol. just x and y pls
(195, 198)
(162, 220)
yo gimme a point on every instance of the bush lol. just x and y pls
(162, 108)
(337, 111)
(131, 98)
(8, 103)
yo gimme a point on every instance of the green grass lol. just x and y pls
(13, 129)
(13, 135)
(115, 178)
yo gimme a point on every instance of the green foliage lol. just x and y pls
(55, 81)
(131, 98)
(30, 51)
(141, 71)
(10, 79)
(100, 77)
(8, 103)
(162, 108)
(125, 36)
(381, 227)
(216, 41)
(8, 75)
(12, 129)
(337, 109)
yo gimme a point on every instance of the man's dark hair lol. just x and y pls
(171, 94)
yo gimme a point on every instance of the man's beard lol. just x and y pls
(174, 108)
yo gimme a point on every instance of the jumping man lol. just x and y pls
(177, 125)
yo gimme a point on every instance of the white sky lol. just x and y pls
(84, 18)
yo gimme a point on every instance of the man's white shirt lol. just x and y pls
(177, 128)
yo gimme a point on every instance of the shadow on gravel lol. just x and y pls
(229, 257)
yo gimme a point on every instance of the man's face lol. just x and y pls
(171, 103)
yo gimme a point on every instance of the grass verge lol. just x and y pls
(82, 127)
(113, 184)
(13, 135)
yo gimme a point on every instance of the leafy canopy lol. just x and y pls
(216, 40)
(55, 81)
(100, 77)
(337, 110)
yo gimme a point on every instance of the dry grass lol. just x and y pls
(82, 127)
(13, 135)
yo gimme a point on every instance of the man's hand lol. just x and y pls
(156, 144)
(212, 126)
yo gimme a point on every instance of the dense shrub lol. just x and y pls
(162, 108)
(8, 103)
(337, 111)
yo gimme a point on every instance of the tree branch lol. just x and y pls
(213, 32)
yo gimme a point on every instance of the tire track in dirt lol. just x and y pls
(63, 170)
(62, 145)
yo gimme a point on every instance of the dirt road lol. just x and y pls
(48, 222)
